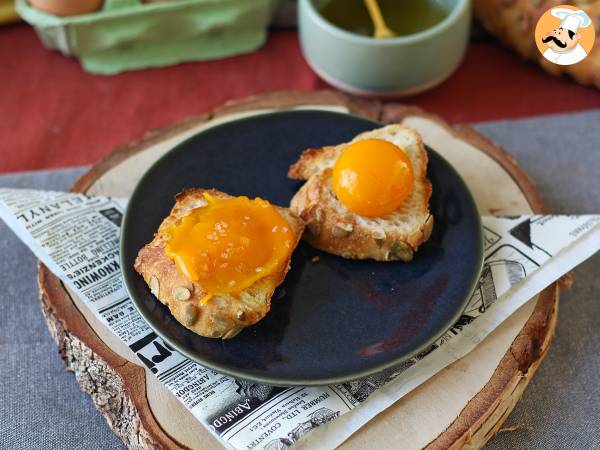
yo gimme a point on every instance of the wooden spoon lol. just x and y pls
(381, 29)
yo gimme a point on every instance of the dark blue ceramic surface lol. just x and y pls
(330, 321)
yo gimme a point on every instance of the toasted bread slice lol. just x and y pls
(223, 315)
(335, 229)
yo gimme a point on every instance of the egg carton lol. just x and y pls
(130, 34)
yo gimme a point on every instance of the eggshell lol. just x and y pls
(67, 7)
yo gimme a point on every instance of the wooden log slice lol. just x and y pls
(462, 406)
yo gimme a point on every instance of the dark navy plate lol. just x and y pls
(330, 321)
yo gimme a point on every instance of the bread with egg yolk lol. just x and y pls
(217, 314)
(334, 228)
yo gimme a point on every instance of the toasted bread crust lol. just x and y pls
(311, 161)
(514, 24)
(223, 315)
(331, 227)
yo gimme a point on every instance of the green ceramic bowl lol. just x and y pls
(384, 67)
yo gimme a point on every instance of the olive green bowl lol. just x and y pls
(397, 66)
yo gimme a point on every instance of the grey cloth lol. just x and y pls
(42, 406)
(561, 407)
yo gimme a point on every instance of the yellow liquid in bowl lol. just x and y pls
(403, 17)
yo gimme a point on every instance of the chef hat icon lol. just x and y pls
(570, 19)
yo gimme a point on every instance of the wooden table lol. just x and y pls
(464, 405)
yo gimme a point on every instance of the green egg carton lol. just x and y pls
(130, 34)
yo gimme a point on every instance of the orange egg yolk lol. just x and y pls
(229, 244)
(372, 177)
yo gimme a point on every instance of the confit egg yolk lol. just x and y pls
(372, 177)
(229, 244)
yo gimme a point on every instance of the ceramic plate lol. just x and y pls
(333, 320)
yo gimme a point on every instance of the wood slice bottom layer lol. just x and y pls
(120, 388)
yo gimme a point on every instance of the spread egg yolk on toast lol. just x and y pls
(229, 244)
(372, 177)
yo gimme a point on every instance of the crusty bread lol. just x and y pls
(333, 228)
(514, 24)
(223, 315)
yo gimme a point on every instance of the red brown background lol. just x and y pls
(53, 114)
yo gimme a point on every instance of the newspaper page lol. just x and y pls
(77, 237)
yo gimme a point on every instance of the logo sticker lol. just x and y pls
(564, 35)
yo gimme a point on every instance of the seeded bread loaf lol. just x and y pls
(223, 315)
(333, 228)
(514, 21)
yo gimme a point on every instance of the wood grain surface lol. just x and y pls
(463, 406)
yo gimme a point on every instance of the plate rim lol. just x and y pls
(293, 381)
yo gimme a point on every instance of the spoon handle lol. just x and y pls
(381, 29)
